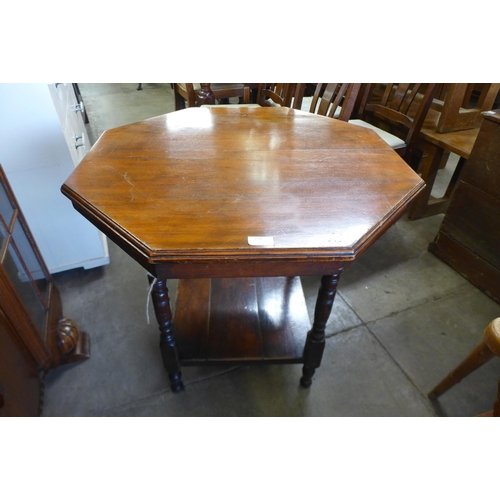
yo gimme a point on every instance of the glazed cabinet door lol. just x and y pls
(34, 334)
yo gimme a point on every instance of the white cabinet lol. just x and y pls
(42, 139)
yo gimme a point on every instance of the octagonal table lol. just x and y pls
(237, 203)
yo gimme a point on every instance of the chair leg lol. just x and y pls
(180, 103)
(496, 404)
(478, 357)
(489, 347)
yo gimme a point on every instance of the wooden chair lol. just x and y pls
(451, 126)
(336, 100)
(398, 116)
(289, 95)
(489, 347)
(268, 94)
(188, 94)
(461, 104)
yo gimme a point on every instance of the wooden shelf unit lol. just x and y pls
(233, 320)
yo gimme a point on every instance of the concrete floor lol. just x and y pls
(401, 321)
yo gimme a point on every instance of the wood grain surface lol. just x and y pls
(196, 183)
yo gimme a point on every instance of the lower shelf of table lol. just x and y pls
(241, 320)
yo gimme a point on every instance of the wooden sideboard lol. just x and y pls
(469, 237)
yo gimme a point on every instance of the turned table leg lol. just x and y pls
(315, 342)
(168, 344)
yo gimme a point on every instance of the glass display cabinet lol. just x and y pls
(34, 335)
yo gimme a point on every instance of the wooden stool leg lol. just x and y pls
(168, 344)
(496, 404)
(315, 342)
(480, 355)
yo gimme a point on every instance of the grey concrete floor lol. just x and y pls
(401, 321)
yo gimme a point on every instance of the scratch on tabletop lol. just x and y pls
(126, 177)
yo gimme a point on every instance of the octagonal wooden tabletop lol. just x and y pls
(198, 183)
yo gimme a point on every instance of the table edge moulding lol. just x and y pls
(234, 299)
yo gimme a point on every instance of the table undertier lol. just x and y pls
(233, 320)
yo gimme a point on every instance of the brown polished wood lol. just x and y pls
(168, 343)
(315, 342)
(183, 192)
(469, 237)
(259, 319)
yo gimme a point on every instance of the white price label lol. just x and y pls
(263, 241)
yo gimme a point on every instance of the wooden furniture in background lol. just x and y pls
(451, 126)
(459, 109)
(220, 198)
(336, 100)
(469, 237)
(401, 112)
(436, 148)
(197, 94)
(34, 335)
(489, 347)
(289, 95)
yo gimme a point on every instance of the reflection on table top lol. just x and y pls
(197, 183)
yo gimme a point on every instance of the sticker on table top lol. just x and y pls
(261, 241)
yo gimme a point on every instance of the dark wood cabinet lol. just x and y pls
(469, 236)
(34, 334)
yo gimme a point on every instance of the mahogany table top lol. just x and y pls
(194, 185)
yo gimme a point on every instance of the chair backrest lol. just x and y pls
(401, 111)
(461, 105)
(184, 94)
(336, 100)
(289, 95)
(190, 94)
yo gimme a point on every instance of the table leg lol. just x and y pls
(168, 344)
(315, 342)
